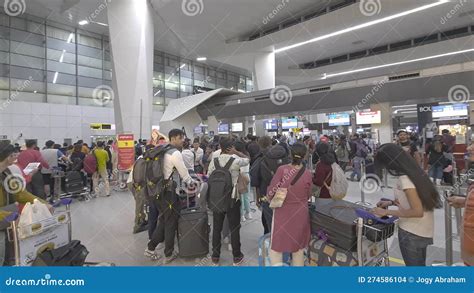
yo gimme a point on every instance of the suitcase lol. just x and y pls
(336, 220)
(73, 182)
(324, 254)
(72, 254)
(193, 232)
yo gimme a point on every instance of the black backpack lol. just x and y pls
(273, 159)
(219, 193)
(148, 176)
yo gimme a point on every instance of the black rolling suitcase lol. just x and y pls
(73, 182)
(193, 232)
(335, 220)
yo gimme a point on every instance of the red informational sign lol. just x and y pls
(126, 151)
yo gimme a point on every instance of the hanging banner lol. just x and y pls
(126, 151)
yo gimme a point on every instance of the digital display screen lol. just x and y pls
(198, 130)
(370, 117)
(271, 124)
(339, 119)
(237, 127)
(449, 112)
(287, 123)
(223, 128)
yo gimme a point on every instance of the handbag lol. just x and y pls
(280, 194)
(243, 183)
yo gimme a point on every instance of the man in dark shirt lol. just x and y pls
(408, 146)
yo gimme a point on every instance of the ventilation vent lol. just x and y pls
(321, 89)
(262, 99)
(404, 76)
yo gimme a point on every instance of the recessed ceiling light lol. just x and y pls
(201, 58)
(363, 25)
(83, 22)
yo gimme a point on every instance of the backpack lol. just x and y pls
(362, 150)
(148, 171)
(76, 164)
(273, 159)
(340, 151)
(339, 185)
(90, 163)
(219, 192)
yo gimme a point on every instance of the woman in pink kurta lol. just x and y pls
(291, 230)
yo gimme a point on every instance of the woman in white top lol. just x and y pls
(416, 198)
(245, 211)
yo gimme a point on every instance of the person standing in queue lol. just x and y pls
(168, 203)
(291, 224)
(416, 198)
(408, 146)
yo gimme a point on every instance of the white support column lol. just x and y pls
(385, 128)
(132, 41)
(264, 70)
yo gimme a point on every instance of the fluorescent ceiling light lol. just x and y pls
(201, 58)
(156, 94)
(83, 22)
(55, 77)
(182, 66)
(70, 38)
(326, 76)
(100, 23)
(363, 25)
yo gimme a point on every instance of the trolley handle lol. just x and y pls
(12, 217)
(62, 202)
(366, 215)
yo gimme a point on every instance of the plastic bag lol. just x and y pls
(34, 213)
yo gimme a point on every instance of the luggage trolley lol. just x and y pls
(31, 240)
(68, 185)
(377, 231)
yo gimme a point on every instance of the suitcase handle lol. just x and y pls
(12, 217)
(366, 215)
(63, 201)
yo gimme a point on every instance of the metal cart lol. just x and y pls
(372, 238)
(31, 240)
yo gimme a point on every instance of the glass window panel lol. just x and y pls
(26, 85)
(30, 97)
(29, 26)
(171, 94)
(199, 69)
(186, 81)
(27, 49)
(26, 73)
(107, 65)
(61, 34)
(211, 72)
(88, 61)
(172, 61)
(89, 72)
(187, 74)
(56, 99)
(61, 67)
(171, 78)
(199, 77)
(158, 75)
(158, 67)
(171, 86)
(4, 83)
(4, 19)
(158, 58)
(4, 95)
(186, 88)
(107, 75)
(89, 41)
(4, 45)
(61, 89)
(88, 51)
(26, 37)
(61, 45)
(221, 74)
(4, 57)
(158, 84)
(63, 56)
(85, 92)
(186, 65)
(61, 78)
(89, 82)
(27, 61)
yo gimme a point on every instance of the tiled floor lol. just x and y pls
(105, 224)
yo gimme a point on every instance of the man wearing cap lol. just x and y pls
(408, 146)
(12, 189)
